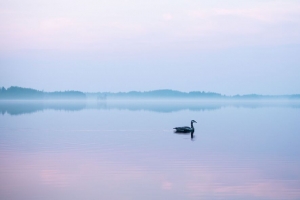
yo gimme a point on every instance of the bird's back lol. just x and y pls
(183, 128)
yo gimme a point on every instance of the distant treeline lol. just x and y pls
(158, 94)
(256, 96)
(31, 94)
(173, 94)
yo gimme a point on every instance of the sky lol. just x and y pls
(229, 47)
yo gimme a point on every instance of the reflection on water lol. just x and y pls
(186, 133)
(186, 129)
(118, 151)
(24, 107)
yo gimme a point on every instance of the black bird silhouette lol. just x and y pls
(186, 129)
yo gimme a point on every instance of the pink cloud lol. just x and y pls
(167, 16)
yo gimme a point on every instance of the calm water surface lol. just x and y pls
(117, 150)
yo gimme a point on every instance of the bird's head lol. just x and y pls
(193, 121)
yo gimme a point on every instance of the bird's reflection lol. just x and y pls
(192, 135)
(186, 133)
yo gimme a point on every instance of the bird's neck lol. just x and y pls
(192, 126)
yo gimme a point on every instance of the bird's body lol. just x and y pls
(186, 129)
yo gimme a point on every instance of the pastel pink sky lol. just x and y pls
(229, 46)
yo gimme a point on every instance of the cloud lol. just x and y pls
(56, 24)
(167, 17)
(121, 26)
(271, 12)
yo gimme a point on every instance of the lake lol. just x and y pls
(128, 150)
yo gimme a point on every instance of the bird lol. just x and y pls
(185, 129)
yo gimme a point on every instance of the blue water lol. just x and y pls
(128, 150)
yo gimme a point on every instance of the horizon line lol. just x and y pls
(155, 90)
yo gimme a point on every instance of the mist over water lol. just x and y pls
(17, 107)
(128, 150)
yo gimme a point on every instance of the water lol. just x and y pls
(128, 150)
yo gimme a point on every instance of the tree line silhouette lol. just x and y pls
(32, 94)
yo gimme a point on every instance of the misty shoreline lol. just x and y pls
(19, 93)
